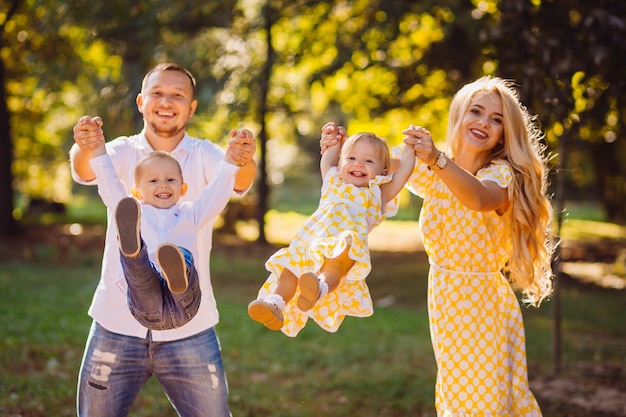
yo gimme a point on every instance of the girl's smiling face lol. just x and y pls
(360, 163)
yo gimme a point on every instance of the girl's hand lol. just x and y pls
(422, 143)
(332, 135)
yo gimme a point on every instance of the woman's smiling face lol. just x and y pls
(482, 124)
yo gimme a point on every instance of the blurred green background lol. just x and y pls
(282, 69)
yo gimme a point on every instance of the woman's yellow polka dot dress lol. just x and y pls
(345, 212)
(476, 323)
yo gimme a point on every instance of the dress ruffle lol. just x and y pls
(345, 217)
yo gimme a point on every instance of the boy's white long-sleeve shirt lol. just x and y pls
(202, 163)
(178, 224)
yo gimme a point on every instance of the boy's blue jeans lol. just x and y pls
(115, 368)
(149, 299)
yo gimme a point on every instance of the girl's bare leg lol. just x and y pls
(287, 284)
(269, 311)
(331, 273)
(335, 269)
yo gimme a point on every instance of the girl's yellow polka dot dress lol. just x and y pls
(345, 212)
(475, 319)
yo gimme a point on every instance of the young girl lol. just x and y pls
(485, 222)
(322, 272)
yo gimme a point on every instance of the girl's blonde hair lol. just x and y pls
(380, 146)
(529, 267)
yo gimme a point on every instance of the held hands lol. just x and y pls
(331, 135)
(241, 147)
(422, 143)
(415, 136)
(88, 133)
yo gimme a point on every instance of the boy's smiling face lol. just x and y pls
(161, 183)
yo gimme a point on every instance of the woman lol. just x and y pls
(486, 229)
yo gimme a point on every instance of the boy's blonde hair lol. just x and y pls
(529, 266)
(155, 155)
(380, 145)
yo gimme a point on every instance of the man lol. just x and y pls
(121, 354)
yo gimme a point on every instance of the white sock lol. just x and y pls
(323, 288)
(277, 300)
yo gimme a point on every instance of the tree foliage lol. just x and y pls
(43, 69)
(369, 64)
(65, 59)
(567, 56)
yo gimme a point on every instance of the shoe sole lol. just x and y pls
(309, 291)
(264, 314)
(127, 218)
(173, 267)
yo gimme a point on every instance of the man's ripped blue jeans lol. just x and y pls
(115, 368)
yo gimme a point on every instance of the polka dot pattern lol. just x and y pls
(346, 213)
(475, 319)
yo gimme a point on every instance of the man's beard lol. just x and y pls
(167, 133)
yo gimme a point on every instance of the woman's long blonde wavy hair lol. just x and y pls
(529, 267)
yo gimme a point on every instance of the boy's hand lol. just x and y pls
(230, 158)
(241, 147)
(88, 133)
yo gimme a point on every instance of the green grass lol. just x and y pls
(378, 366)
(43, 330)
(388, 356)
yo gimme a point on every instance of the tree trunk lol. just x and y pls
(7, 222)
(608, 164)
(263, 187)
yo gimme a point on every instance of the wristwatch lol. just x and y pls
(441, 162)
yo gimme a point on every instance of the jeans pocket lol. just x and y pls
(151, 320)
(190, 302)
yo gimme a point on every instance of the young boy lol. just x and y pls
(167, 296)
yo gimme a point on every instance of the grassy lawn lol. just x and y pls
(378, 366)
